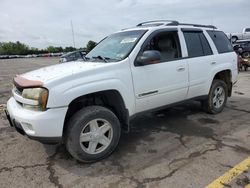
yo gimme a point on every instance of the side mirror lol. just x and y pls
(148, 57)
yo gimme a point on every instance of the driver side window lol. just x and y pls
(167, 43)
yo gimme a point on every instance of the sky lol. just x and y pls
(41, 23)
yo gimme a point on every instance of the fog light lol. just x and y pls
(27, 127)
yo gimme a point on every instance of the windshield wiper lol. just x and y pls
(105, 59)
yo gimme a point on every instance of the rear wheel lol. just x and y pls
(217, 97)
(246, 54)
(92, 134)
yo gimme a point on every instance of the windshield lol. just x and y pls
(115, 47)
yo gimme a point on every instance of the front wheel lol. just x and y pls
(92, 134)
(217, 97)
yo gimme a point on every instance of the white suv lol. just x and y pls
(153, 65)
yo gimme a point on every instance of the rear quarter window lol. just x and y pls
(221, 41)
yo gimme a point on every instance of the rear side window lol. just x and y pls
(247, 30)
(197, 44)
(221, 41)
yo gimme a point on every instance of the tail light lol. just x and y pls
(238, 61)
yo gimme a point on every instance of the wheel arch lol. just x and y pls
(111, 99)
(235, 36)
(226, 76)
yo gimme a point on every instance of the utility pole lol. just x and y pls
(73, 35)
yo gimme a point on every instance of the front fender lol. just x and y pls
(65, 93)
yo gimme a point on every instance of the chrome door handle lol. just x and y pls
(180, 69)
(213, 63)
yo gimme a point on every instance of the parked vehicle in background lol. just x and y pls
(242, 48)
(241, 36)
(4, 57)
(145, 68)
(72, 56)
(243, 63)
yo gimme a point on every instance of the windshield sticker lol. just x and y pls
(128, 40)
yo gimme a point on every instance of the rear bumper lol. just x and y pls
(46, 126)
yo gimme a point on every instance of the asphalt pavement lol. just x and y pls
(176, 147)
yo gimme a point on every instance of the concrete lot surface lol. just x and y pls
(177, 147)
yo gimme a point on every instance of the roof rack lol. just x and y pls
(158, 22)
(172, 23)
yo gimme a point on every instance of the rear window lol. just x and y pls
(221, 41)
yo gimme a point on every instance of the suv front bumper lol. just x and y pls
(45, 126)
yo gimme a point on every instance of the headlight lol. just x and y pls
(38, 94)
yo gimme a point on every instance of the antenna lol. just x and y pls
(73, 35)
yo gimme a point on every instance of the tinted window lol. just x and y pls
(247, 30)
(197, 44)
(221, 41)
(78, 55)
(205, 45)
(72, 55)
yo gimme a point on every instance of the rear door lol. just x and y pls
(200, 60)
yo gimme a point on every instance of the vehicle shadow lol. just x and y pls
(153, 137)
(134, 147)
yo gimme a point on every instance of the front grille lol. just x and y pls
(19, 90)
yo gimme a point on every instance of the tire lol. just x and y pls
(86, 131)
(245, 67)
(246, 54)
(213, 104)
(234, 39)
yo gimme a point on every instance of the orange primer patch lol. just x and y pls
(24, 83)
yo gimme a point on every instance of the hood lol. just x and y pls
(49, 73)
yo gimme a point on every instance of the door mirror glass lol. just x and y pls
(149, 57)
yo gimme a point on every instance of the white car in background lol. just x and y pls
(241, 36)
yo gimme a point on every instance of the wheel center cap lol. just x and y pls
(95, 135)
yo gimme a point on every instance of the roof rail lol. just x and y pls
(198, 25)
(161, 22)
(173, 23)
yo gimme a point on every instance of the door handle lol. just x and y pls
(213, 63)
(179, 69)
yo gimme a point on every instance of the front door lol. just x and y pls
(162, 83)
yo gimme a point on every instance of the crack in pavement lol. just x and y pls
(192, 155)
(51, 162)
(217, 146)
(180, 138)
(170, 174)
(8, 169)
(141, 184)
(237, 109)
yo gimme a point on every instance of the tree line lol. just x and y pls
(18, 48)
